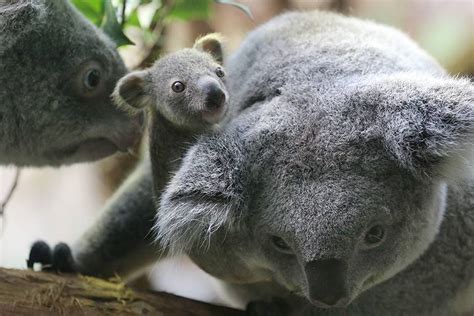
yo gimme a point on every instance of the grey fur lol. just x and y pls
(47, 116)
(344, 125)
(121, 238)
(337, 125)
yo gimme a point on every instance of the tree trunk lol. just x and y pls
(24, 292)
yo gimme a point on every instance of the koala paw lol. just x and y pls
(260, 308)
(59, 259)
(62, 258)
(40, 253)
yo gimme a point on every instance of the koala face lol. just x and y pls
(328, 196)
(190, 86)
(331, 236)
(186, 87)
(58, 72)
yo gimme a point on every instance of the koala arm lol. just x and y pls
(119, 242)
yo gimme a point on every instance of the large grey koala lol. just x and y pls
(340, 186)
(57, 72)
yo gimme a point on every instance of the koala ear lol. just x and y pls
(131, 92)
(212, 44)
(206, 194)
(427, 124)
(18, 17)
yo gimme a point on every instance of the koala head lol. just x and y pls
(57, 73)
(327, 196)
(186, 87)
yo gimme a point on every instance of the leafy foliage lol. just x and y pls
(113, 16)
(191, 10)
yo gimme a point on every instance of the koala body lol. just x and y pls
(185, 96)
(338, 187)
(57, 72)
(342, 179)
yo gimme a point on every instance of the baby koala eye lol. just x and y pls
(281, 245)
(178, 86)
(92, 79)
(220, 72)
(374, 236)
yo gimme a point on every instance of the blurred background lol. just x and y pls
(59, 204)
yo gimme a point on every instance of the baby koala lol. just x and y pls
(185, 97)
(185, 88)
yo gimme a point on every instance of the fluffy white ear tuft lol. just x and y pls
(130, 92)
(428, 123)
(212, 44)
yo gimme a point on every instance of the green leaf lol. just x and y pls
(239, 6)
(132, 19)
(112, 27)
(191, 10)
(93, 10)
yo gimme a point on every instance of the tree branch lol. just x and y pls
(24, 292)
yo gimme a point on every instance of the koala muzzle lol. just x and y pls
(326, 282)
(214, 95)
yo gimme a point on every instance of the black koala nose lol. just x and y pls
(326, 281)
(214, 95)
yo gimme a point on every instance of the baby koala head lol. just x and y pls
(186, 87)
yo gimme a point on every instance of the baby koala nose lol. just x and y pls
(214, 95)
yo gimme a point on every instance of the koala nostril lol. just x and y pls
(330, 299)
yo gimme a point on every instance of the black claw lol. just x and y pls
(40, 253)
(62, 259)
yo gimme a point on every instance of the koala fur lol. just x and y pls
(355, 131)
(340, 185)
(176, 118)
(57, 72)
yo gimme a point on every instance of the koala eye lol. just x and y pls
(220, 72)
(374, 236)
(281, 245)
(178, 86)
(89, 81)
(92, 79)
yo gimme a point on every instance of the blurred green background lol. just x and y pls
(443, 27)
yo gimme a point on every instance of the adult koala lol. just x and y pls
(338, 188)
(343, 178)
(57, 72)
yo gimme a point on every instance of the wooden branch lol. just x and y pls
(24, 292)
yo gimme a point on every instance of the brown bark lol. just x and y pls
(24, 292)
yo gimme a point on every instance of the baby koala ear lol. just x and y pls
(130, 92)
(212, 44)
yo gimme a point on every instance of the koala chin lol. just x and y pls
(336, 185)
